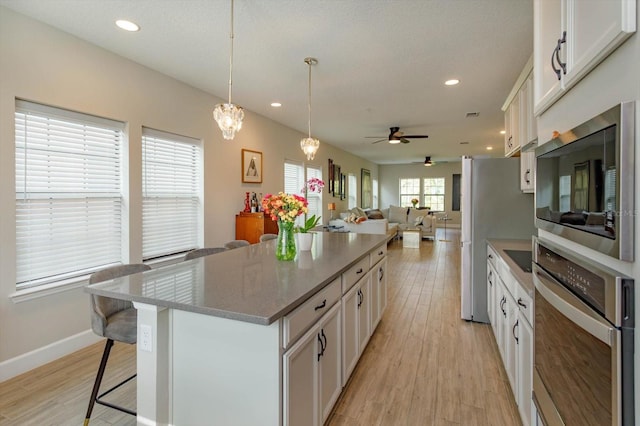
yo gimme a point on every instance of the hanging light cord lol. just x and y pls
(309, 102)
(231, 54)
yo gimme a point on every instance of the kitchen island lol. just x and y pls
(222, 339)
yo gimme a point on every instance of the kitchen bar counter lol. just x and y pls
(217, 335)
(245, 284)
(525, 279)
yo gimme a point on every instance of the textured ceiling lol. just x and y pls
(381, 63)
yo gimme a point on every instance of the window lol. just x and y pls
(170, 194)
(565, 193)
(455, 192)
(374, 186)
(409, 189)
(353, 191)
(294, 181)
(434, 194)
(68, 194)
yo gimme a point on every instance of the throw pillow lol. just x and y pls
(397, 214)
(374, 214)
(418, 221)
(413, 215)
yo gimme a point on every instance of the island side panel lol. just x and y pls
(152, 361)
(224, 371)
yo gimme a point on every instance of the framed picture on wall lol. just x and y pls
(343, 186)
(365, 189)
(330, 186)
(251, 166)
(336, 181)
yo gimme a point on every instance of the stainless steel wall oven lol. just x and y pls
(583, 340)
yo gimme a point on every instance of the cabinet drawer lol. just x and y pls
(309, 312)
(378, 254)
(353, 274)
(525, 303)
(491, 256)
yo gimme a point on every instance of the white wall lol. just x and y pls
(615, 80)
(42, 64)
(390, 176)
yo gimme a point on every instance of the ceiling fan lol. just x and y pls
(427, 162)
(396, 136)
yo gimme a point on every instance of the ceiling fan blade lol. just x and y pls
(403, 140)
(374, 137)
(379, 140)
(416, 136)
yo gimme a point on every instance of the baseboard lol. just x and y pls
(41, 356)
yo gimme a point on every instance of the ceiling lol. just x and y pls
(381, 63)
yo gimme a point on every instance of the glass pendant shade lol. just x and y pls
(229, 118)
(310, 147)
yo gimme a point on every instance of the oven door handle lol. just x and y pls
(571, 307)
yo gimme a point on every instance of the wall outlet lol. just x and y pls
(146, 339)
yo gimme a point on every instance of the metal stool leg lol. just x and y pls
(96, 385)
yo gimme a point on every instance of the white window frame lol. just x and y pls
(68, 219)
(429, 197)
(409, 188)
(295, 175)
(374, 187)
(171, 195)
(352, 190)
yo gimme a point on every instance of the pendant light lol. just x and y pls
(310, 145)
(427, 161)
(229, 116)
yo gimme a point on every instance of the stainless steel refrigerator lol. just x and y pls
(492, 207)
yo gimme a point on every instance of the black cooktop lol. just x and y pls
(522, 258)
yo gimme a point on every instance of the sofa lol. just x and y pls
(411, 218)
(392, 221)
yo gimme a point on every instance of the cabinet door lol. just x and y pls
(528, 127)
(329, 370)
(374, 296)
(512, 121)
(500, 314)
(350, 341)
(510, 331)
(547, 29)
(364, 312)
(525, 369)
(382, 290)
(527, 171)
(594, 30)
(491, 276)
(300, 381)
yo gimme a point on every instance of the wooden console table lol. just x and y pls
(250, 226)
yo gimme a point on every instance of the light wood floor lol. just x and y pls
(423, 365)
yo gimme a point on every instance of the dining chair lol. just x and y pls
(117, 321)
(194, 254)
(267, 237)
(236, 244)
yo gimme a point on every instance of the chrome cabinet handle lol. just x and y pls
(359, 271)
(321, 347)
(526, 176)
(513, 331)
(556, 55)
(380, 253)
(380, 274)
(521, 303)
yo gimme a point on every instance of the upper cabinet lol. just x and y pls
(571, 37)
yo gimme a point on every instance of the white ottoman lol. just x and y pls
(411, 238)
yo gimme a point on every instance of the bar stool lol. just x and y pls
(117, 321)
(236, 244)
(194, 254)
(267, 237)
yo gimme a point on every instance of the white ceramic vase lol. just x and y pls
(305, 240)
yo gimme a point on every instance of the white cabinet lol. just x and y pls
(511, 316)
(571, 37)
(527, 171)
(512, 127)
(378, 293)
(311, 372)
(528, 127)
(525, 371)
(356, 328)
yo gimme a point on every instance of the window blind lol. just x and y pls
(68, 193)
(294, 181)
(171, 193)
(353, 191)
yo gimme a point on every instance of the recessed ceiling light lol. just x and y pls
(276, 104)
(489, 148)
(127, 25)
(502, 132)
(452, 82)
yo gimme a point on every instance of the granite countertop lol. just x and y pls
(524, 278)
(246, 284)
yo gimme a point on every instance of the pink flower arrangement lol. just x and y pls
(284, 207)
(313, 185)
